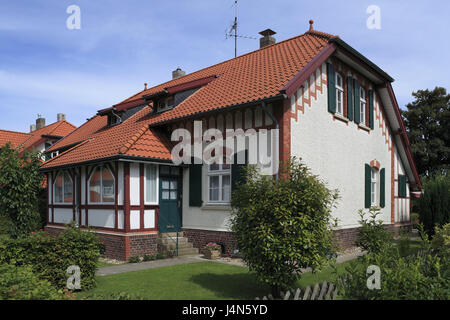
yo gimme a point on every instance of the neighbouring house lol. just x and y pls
(333, 107)
(41, 136)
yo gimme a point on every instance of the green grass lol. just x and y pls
(195, 281)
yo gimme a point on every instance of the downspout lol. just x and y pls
(277, 127)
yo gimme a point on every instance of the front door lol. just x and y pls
(169, 219)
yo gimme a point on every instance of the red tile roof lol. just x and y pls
(257, 75)
(133, 137)
(15, 138)
(33, 139)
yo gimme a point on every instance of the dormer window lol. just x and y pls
(113, 119)
(165, 104)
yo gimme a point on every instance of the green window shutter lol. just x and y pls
(195, 184)
(367, 201)
(350, 100)
(371, 122)
(331, 78)
(382, 188)
(356, 103)
(402, 186)
(237, 171)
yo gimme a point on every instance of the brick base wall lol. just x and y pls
(200, 238)
(345, 238)
(121, 247)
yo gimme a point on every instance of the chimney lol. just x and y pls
(267, 38)
(32, 127)
(40, 122)
(60, 117)
(178, 73)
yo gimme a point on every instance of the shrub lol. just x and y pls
(160, 255)
(282, 226)
(134, 259)
(50, 256)
(441, 240)
(434, 204)
(21, 283)
(213, 246)
(20, 182)
(372, 235)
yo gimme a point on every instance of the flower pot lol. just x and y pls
(212, 254)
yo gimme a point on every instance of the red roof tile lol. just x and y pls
(15, 138)
(259, 74)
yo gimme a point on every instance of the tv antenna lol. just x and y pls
(233, 31)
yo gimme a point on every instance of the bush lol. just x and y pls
(134, 259)
(51, 256)
(434, 204)
(21, 283)
(372, 235)
(20, 182)
(282, 226)
(412, 278)
(441, 240)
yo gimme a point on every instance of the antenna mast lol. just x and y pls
(235, 27)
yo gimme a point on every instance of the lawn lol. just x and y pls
(195, 281)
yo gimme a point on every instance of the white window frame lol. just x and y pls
(101, 186)
(54, 189)
(166, 106)
(339, 94)
(157, 185)
(362, 105)
(220, 173)
(373, 187)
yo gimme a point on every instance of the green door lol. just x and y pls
(169, 219)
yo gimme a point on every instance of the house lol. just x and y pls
(40, 137)
(324, 102)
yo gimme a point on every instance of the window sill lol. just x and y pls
(363, 127)
(340, 117)
(216, 206)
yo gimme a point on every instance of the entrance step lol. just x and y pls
(168, 242)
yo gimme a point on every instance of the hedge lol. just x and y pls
(50, 256)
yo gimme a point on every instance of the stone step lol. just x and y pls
(171, 234)
(187, 251)
(182, 245)
(170, 241)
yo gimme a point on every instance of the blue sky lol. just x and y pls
(46, 68)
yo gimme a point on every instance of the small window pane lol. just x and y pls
(165, 195)
(165, 184)
(175, 171)
(108, 186)
(68, 188)
(214, 188)
(173, 195)
(226, 188)
(94, 186)
(150, 178)
(173, 185)
(59, 188)
(214, 167)
(165, 170)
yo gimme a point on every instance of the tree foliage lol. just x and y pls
(20, 182)
(283, 226)
(427, 122)
(433, 205)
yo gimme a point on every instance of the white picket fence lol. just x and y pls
(324, 291)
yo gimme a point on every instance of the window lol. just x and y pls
(63, 188)
(101, 186)
(165, 104)
(219, 183)
(373, 187)
(339, 94)
(151, 184)
(362, 105)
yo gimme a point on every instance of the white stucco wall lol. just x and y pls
(338, 151)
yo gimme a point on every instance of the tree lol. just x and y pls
(282, 226)
(20, 182)
(427, 122)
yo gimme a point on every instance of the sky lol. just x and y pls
(47, 68)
